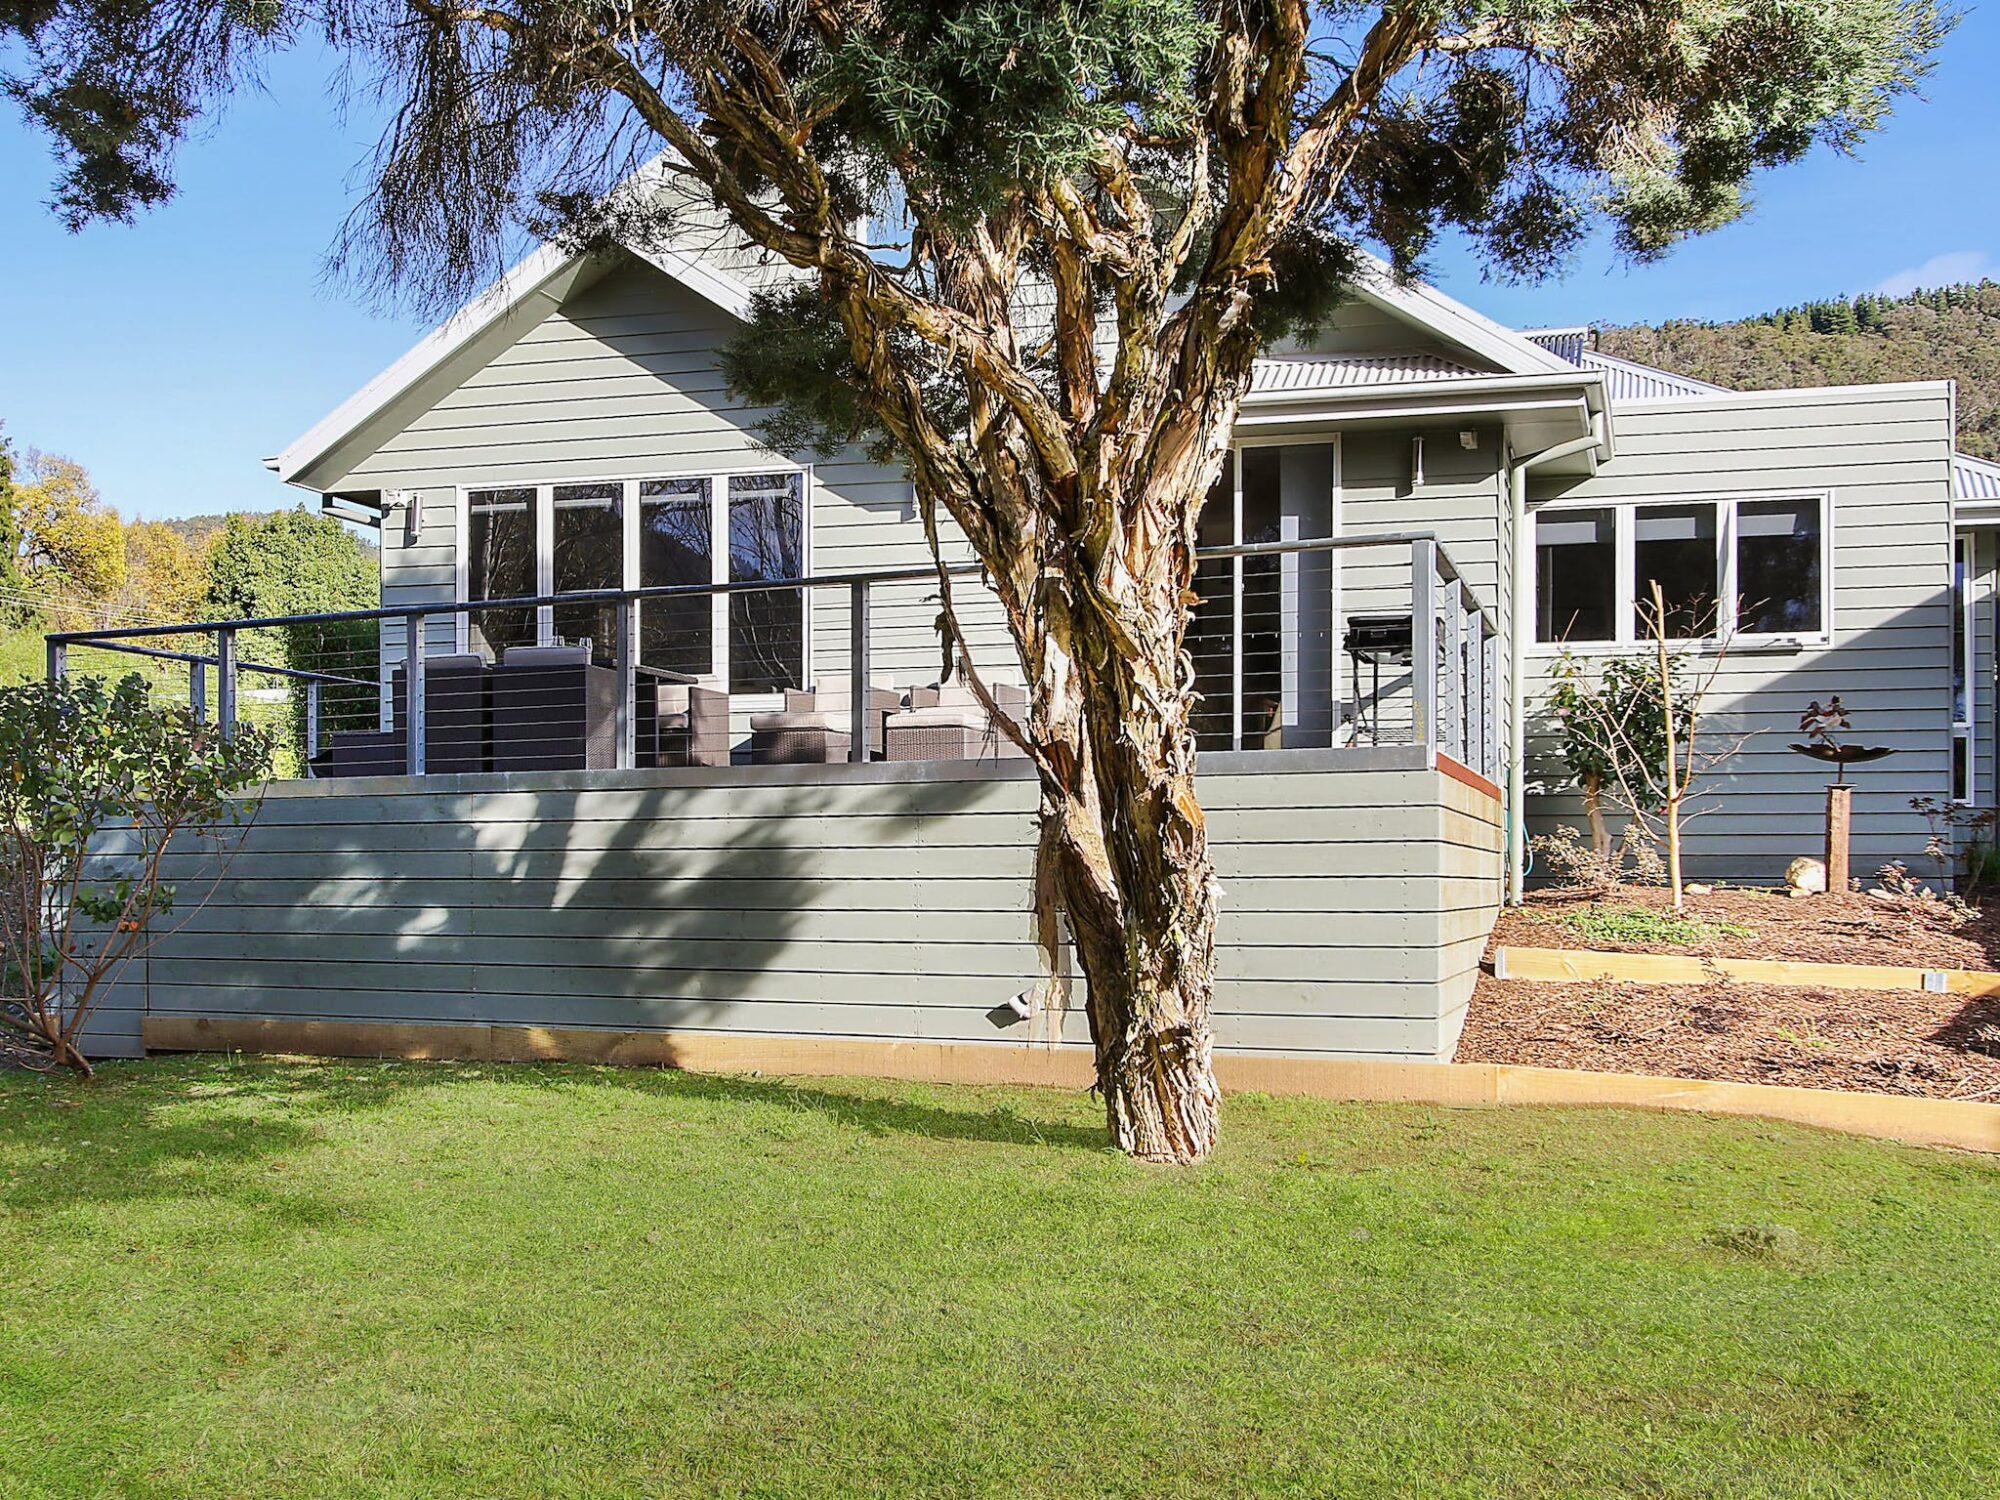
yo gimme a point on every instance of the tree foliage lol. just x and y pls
(1928, 334)
(292, 562)
(1099, 212)
(97, 781)
(71, 543)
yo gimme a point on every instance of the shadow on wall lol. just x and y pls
(1766, 805)
(893, 910)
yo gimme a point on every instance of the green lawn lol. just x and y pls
(380, 1280)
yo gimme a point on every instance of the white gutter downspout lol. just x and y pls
(1522, 618)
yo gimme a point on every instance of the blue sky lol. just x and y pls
(173, 355)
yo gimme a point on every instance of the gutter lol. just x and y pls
(1521, 620)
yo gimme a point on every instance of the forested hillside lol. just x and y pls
(1928, 335)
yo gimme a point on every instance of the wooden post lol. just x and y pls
(1839, 818)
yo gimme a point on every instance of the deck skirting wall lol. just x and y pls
(853, 903)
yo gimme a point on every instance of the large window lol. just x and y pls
(588, 552)
(677, 548)
(1750, 569)
(1576, 568)
(500, 564)
(766, 540)
(677, 530)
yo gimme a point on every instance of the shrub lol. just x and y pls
(98, 781)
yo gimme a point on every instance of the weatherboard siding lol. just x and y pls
(846, 902)
(1883, 453)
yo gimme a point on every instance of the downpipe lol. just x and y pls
(1521, 620)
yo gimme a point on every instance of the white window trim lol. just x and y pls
(1962, 728)
(1627, 639)
(718, 478)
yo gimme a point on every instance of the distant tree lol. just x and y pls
(71, 544)
(1101, 213)
(165, 578)
(292, 562)
(12, 583)
(286, 563)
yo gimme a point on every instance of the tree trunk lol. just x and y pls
(1130, 852)
(1593, 811)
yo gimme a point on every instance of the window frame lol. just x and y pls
(717, 476)
(1624, 511)
(1965, 557)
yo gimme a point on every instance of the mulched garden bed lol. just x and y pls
(1850, 929)
(1885, 1042)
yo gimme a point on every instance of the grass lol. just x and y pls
(1644, 925)
(230, 1279)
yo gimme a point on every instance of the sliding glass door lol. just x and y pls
(1262, 636)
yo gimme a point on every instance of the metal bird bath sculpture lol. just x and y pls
(1818, 724)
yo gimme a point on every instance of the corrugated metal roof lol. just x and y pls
(1565, 343)
(1318, 372)
(1975, 479)
(1627, 380)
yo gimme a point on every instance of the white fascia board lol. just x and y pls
(1453, 320)
(523, 281)
(1725, 397)
(1487, 392)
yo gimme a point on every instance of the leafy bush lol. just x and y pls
(98, 781)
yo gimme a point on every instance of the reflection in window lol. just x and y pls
(1674, 546)
(676, 547)
(1576, 575)
(766, 541)
(1263, 640)
(588, 552)
(500, 544)
(1211, 632)
(1778, 567)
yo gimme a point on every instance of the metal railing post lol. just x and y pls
(225, 681)
(1423, 640)
(857, 672)
(58, 654)
(413, 687)
(1475, 683)
(1489, 737)
(312, 725)
(198, 691)
(627, 617)
(1452, 694)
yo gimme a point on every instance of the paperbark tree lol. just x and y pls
(1168, 185)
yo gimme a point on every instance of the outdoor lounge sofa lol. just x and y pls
(814, 727)
(948, 722)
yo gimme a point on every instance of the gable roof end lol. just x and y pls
(548, 274)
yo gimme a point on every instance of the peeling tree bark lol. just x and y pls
(1080, 494)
